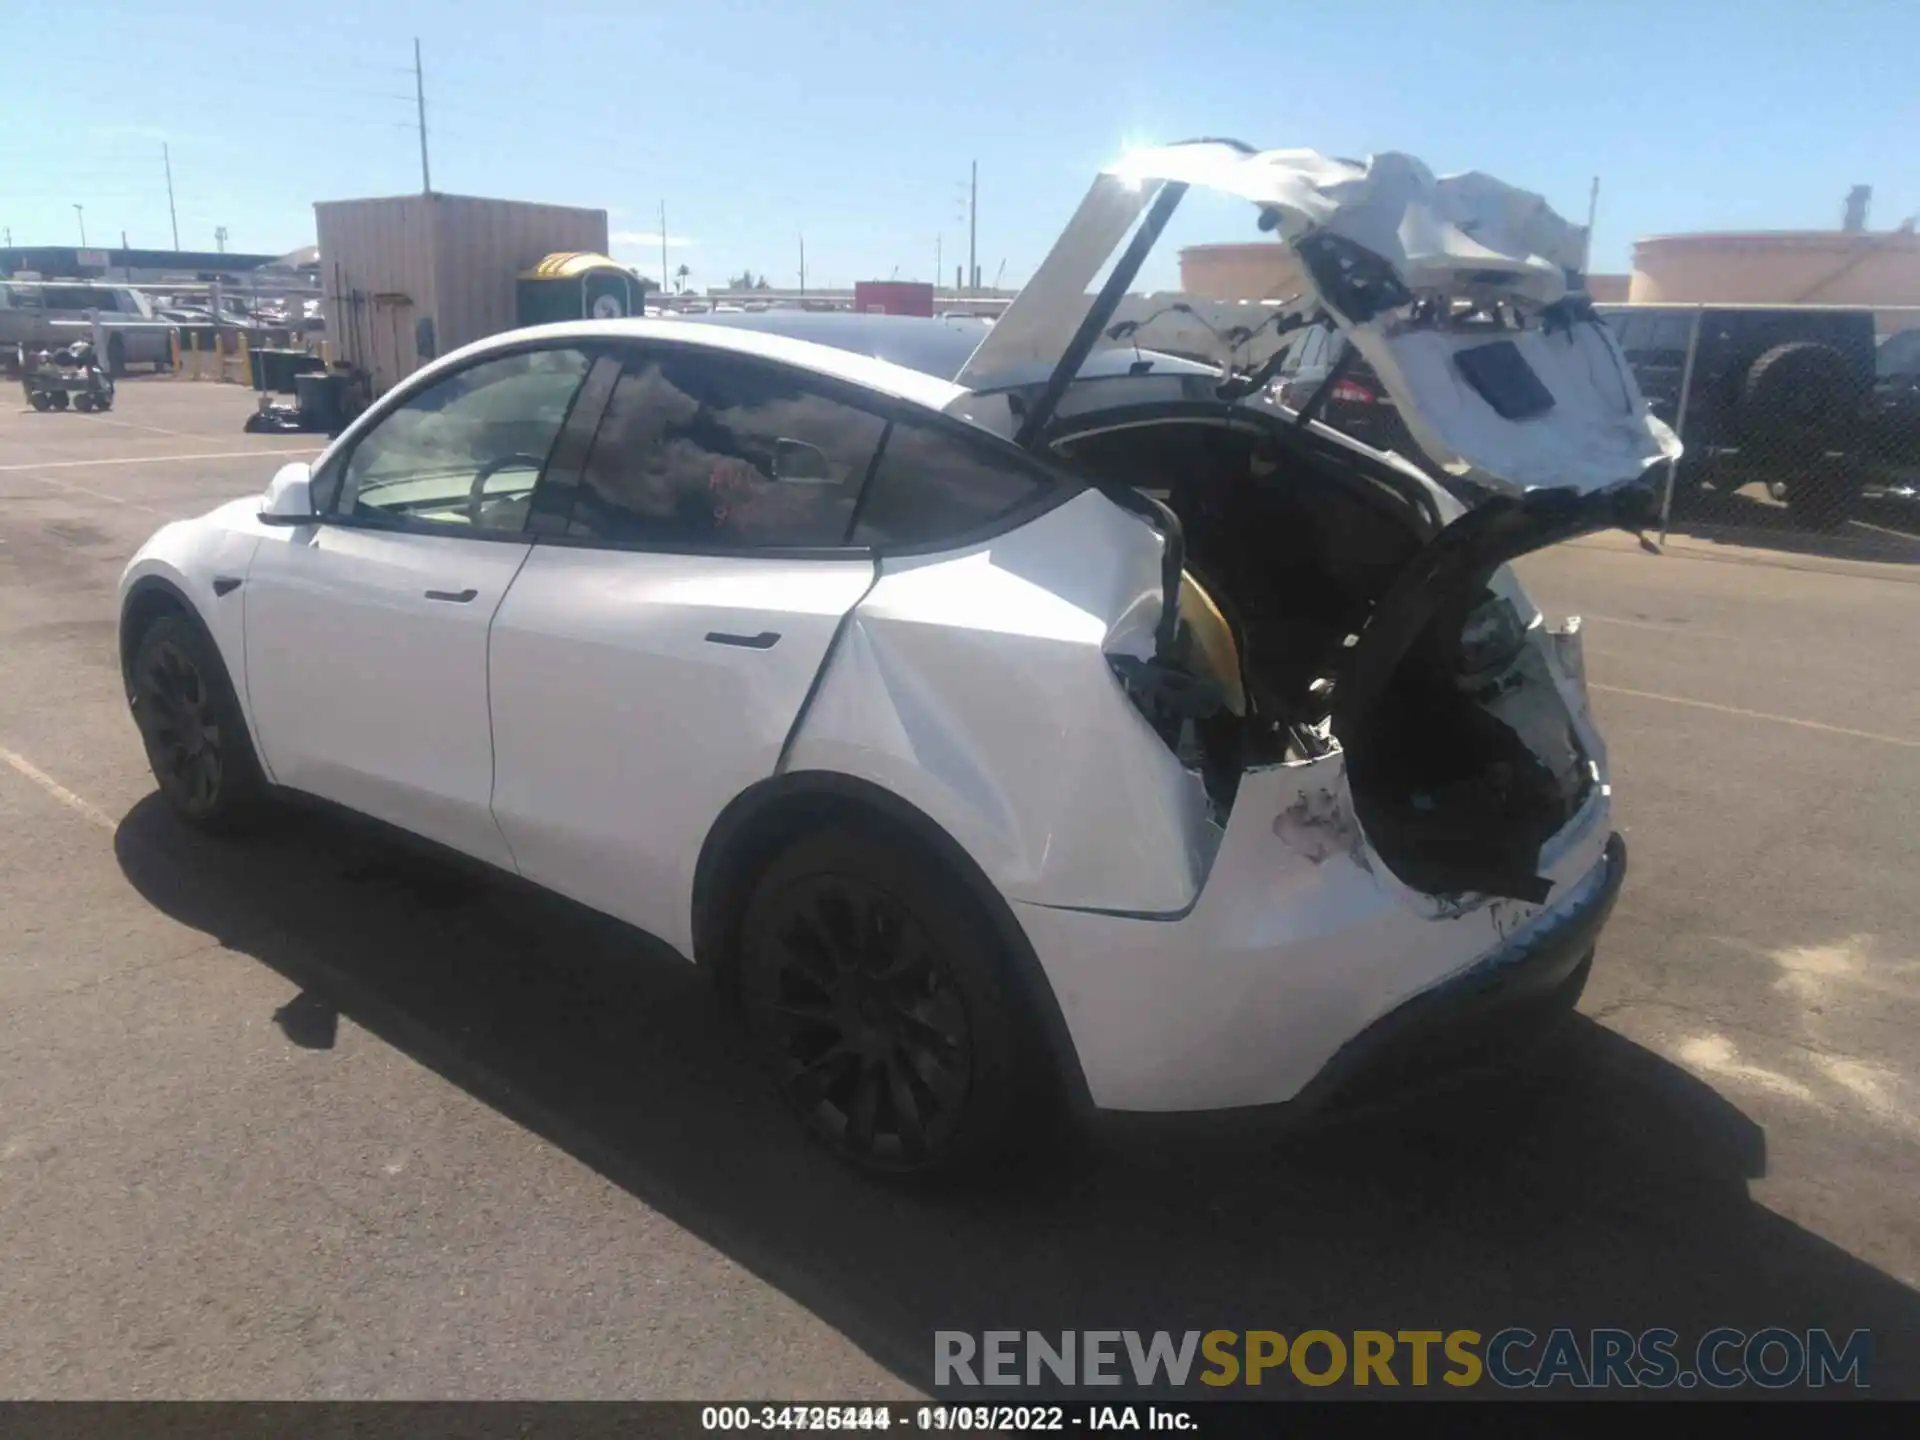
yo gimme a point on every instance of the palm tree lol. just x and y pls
(681, 275)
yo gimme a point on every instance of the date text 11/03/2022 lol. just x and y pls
(987, 1419)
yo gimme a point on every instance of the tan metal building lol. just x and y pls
(409, 277)
(1257, 270)
(1798, 267)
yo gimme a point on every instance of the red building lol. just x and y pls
(893, 297)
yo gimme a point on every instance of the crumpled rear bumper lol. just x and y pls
(1481, 1013)
(1304, 954)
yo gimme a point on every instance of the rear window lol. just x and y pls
(76, 297)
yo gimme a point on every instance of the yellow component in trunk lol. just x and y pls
(1214, 652)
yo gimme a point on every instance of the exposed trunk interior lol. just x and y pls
(1466, 764)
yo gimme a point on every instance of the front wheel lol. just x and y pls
(877, 996)
(190, 722)
(57, 399)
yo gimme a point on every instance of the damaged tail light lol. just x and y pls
(1354, 394)
(1490, 639)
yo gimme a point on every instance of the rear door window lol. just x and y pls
(934, 485)
(707, 451)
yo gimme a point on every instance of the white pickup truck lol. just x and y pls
(46, 314)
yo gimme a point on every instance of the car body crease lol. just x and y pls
(820, 675)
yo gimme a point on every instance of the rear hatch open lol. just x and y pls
(1462, 294)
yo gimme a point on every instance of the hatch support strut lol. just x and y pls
(1122, 275)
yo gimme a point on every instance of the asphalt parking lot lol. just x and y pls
(305, 1117)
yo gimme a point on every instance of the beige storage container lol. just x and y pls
(450, 261)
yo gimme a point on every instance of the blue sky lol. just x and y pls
(854, 123)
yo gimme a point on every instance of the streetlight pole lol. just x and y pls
(420, 101)
(172, 216)
(973, 213)
(80, 213)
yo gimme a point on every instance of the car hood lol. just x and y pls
(1461, 292)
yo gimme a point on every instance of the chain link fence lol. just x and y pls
(1801, 422)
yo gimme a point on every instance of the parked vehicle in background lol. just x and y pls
(1358, 405)
(1896, 398)
(52, 314)
(1780, 395)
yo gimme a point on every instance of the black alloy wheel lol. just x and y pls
(180, 722)
(868, 1031)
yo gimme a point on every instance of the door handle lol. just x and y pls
(765, 640)
(457, 597)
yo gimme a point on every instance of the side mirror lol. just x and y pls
(289, 497)
(795, 462)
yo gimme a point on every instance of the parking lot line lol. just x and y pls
(159, 459)
(69, 489)
(58, 791)
(1758, 715)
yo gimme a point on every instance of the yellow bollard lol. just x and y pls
(193, 347)
(173, 351)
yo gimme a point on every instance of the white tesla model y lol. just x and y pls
(1006, 715)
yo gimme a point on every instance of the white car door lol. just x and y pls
(660, 642)
(367, 630)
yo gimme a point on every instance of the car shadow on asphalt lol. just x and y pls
(1599, 1185)
(1883, 530)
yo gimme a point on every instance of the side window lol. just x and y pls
(1670, 332)
(466, 451)
(704, 450)
(934, 485)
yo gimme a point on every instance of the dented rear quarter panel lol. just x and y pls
(975, 685)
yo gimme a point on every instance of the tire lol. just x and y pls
(41, 401)
(876, 995)
(190, 723)
(83, 402)
(58, 399)
(116, 356)
(1797, 401)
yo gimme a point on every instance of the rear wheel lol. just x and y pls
(190, 721)
(83, 402)
(877, 996)
(40, 400)
(57, 399)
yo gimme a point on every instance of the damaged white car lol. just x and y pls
(1006, 715)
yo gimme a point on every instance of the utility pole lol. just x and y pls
(80, 213)
(220, 238)
(172, 217)
(803, 266)
(420, 102)
(973, 216)
(663, 244)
